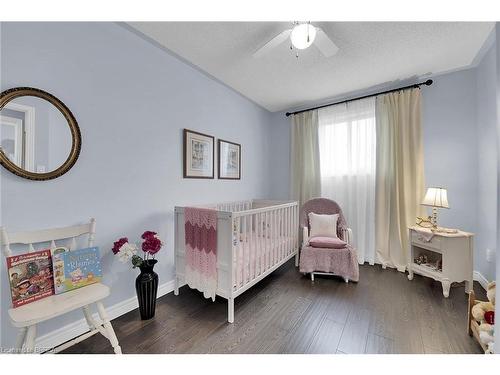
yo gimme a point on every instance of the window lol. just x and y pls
(347, 143)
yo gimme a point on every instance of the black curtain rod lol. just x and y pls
(414, 86)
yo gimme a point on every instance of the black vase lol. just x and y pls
(146, 286)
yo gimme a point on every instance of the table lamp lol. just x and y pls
(436, 197)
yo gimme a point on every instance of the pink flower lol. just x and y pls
(118, 244)
(147, 234)
(151, 244)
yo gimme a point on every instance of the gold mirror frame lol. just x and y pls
(10, 94)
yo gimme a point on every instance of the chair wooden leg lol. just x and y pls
(30, 339)
(297, 259)
(109, 328)
(88, 317)
(21, 336)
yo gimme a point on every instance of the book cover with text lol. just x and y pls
(30, 277)
(76, 269)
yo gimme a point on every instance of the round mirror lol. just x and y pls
(39, 136)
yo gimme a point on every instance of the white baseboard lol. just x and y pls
(75, 329)
(477, 276)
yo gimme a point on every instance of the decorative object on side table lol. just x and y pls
(146, 284)
(435, 197)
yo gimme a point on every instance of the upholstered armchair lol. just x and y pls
(327, 255)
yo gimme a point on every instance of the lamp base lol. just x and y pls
(434, 218)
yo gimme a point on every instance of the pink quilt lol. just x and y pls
(200, 226)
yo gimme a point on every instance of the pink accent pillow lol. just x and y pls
(327, 242)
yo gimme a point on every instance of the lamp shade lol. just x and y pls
(436, 197)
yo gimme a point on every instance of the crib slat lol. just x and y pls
(245, 251)
(257, 245)
(288, 231)
(267, 235)
(271, 234)
(248, 249)
(285, 232)
(295, 227)
(277, 232)
(284, 237)
(275, 236)
(279, 237)
(252, 263)
(262, 250)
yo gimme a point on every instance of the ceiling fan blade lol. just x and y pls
(324, 43)
(276, 41)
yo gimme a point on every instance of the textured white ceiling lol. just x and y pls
(371, 53)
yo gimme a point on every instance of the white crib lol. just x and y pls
(254, 238)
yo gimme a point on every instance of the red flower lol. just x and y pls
(151, 245)
(118, 244)
(147, 234)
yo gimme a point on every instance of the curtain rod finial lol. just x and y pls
(428, 82)
(287, 114)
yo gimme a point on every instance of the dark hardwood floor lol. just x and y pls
(286, 313)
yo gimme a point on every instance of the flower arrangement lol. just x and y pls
(126, 250)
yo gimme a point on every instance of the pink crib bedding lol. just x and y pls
(256, 255)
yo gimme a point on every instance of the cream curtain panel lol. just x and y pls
(399, 174)
(347, 143)
(305, 162)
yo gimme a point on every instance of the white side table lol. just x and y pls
(455, 250)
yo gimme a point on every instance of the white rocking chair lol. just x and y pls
(28, 316)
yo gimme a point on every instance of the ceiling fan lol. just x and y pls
(302, 35)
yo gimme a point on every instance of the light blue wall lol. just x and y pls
(450, 145)
(132, 100)
(280, 154)
(487, 162)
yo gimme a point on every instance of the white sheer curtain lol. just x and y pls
(347, 143)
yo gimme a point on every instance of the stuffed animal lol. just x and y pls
(490, 292)
(484, 314)
(480, 308)
(486, 333)
(491, 348)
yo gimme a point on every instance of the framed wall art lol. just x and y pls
(198, 155)
(229, 155)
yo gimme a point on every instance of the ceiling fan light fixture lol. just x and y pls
(303, 35)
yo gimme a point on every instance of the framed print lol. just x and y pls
(198, 155)
(229, 160)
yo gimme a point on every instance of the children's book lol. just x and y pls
(30, 277)
(76, 269)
